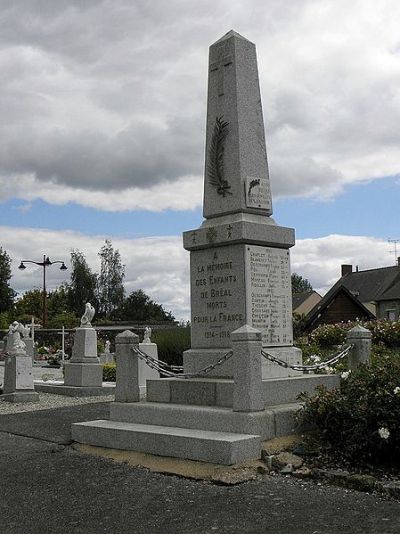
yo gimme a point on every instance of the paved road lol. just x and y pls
(47, 487)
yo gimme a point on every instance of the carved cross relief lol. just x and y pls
(217, 68)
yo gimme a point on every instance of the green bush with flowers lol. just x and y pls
(360, 421)
(383, 332)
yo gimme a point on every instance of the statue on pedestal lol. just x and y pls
(147, 335)
(15, 331)
(86, 319)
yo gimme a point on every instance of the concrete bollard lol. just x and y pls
(360, 337)
(247, 389)
(127, 372)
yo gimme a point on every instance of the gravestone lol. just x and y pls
(84, 368)
(239, 257)
(18, 368)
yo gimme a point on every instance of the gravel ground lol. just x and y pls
(48, 401)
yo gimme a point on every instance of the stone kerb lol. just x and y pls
(247, 391)
(361, 339)
(127, 372)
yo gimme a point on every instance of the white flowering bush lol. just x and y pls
(361, 420)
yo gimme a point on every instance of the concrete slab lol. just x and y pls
(75, 391)
(216, 447)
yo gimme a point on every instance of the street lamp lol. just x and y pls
(45, 263)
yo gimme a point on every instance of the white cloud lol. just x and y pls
(320, 259)
(160, 265)
(108, 98)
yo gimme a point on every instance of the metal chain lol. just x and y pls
(314, 367)
(153, 364)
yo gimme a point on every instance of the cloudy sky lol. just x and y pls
(102, 107)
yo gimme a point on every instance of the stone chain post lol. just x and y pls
(127, 373)
(360, 338)
(247, 389)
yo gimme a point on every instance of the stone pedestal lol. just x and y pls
(84, 369)
(18, 378)
(107, 357)
(29, 347)
(145, 372)
(240, 274)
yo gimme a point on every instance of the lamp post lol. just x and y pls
(45, 263)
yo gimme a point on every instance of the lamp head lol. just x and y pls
(22, 266)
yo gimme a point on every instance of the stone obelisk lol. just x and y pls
(239, 257)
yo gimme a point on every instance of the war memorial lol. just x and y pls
(230, 397)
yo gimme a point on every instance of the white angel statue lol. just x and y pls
(86, 319)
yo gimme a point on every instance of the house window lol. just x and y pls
(391, 315)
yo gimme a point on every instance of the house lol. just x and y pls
(378, 289)
(362, 295)
(304, 302)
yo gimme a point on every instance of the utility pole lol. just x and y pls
(395, 243)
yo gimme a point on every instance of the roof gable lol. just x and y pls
(332, 294)
(370, 285)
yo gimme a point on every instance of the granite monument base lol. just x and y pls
(18, 378)
(83, 374)
(21, 396)
(194, 360)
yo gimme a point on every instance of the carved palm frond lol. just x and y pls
(215, 167)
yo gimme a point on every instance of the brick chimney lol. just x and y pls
(347, 269)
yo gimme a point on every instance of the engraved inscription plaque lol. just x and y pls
(269, 295)
(217, 282)
(23, 369)
(258, 194)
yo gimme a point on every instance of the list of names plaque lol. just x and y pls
(268, 294)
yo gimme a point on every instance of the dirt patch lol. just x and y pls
(219, 474)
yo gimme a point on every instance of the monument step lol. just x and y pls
(219, 392)
(216, 447)
(274, 422)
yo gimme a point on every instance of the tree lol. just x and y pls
(7, 295)
(110, 287)
(139, 307)
(300, 284)
(31, 305)
(82, 286)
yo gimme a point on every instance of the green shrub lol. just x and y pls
(327, 335)
(360, 420)
(109, 372)
(171, 343)
(386, 332)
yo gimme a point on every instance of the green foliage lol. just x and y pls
(109, 372)
(65, 318)
(5, 320)
(110, 287)
(139, 307)
(360, 420)
(82, 286)
(300, 284)
(7, 295)
(327, 335)
(383, 331)
(171, 344)
(30, 305)
(386, 332)
(299, 321)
